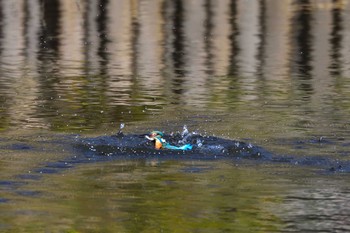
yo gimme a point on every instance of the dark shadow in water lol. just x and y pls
(48, 56)
(178, 54)
(233, 68)
(336, 39)
(262, 41)
(208, 25)
(303, 50)
(49, 45)
(102, 31)
(3, 200)
(50, 30)
(204, 147)
(1, 27)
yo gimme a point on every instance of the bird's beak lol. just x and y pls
(150, 136)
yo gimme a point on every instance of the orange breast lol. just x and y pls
(158, 144)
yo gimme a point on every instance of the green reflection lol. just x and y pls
(154, 196)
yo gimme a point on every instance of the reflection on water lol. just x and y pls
(273, 72)
(79, 64)
(186, 196)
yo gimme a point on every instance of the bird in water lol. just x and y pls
(160, 143)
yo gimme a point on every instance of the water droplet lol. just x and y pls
(184, 131)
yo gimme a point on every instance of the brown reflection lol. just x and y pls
(60, 55)
(118, 51)
(248, 38)
(274, 50)
(320, 52)
(23, 86)
(218, 48)
(217, 38)
(119, 35)
(346, 42)
(31, 34)
(4, 85)
(12, 41)
(71, 38)
(149, 53)
(194, 31)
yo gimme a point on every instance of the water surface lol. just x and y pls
(271, 73)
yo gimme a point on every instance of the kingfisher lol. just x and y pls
(161, 143)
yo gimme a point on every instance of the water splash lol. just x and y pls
(199, 142)
(184, 135)
(122, 125)
(184, 131)
(203, 146)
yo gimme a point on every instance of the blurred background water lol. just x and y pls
(274, 73)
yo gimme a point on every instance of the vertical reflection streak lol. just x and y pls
(120, 50)
(72, 35)
(218, 48)
(262, 17)
(345, 52)
(178, 51)
(220, 37)
(30, 82)
(178, 43)
(196, 77)
(149, 46)
(302, 50)
(169, 57)
(49, 37)
(336, 39)
(4, 95)
(102, 30)
(13, 39)
(32, 28)
(247, 19)
(234, 32)
(92, 39)
(120, 38)
(24, 86)
(276, 42)
(320, 47)
(208, 33)
(48, 57)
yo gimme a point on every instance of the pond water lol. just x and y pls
(271, 73)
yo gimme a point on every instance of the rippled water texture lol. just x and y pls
(274, 74)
